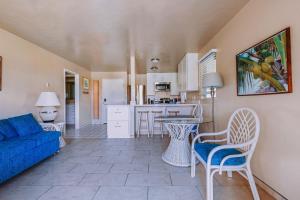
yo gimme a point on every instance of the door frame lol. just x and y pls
(77, 95)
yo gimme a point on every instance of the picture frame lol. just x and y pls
(85, 85)
(265, 68)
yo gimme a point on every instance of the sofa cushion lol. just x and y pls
(14, 147)
(25, 125)
(203, 149)
(42, 137)
(7, 130)
(1, 137)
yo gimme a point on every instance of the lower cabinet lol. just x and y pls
(118, 121)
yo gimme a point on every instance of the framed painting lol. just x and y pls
(265, 68)
(85, 85)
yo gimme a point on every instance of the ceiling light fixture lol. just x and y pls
(154, 68)
(155, 60)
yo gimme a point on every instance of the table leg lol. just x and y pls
(178, 152)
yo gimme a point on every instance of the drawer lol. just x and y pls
(117, 113)
(118, 129)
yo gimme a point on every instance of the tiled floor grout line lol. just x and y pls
(75, 165)
(198, 188)
(99, 187)
(148, 187)
(109, 170)
(171, 179)
(126, 179)
(82, 179)
(45, 192)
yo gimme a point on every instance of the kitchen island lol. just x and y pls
(184, 109)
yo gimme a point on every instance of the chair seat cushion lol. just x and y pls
(25, 125)
(203, 150)
(7, 130)
(194, 128)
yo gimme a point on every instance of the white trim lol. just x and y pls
(269, 189)
(77, 96)
(207, 54)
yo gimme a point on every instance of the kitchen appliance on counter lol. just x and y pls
(162, 86)
(163, 101)
(140, 94)
(183, 97)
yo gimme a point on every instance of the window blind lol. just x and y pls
(207, 64)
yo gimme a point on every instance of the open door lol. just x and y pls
(71, 99)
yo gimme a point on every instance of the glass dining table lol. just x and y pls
(178, 152)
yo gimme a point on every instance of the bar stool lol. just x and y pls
(155, 121)
(173, 112)
(141, 120)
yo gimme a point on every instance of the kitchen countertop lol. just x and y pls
(166, 105)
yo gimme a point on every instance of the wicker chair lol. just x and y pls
(197, 113)
(240, 137)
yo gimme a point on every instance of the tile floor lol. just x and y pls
(90, 131)
(117, 169)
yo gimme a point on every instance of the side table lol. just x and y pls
(56, 126)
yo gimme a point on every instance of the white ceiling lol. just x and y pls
(101, 34)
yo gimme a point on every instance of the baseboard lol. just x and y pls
(144, 132)
(269, 189)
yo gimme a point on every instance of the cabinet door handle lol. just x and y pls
(117, 126)
(118, 112)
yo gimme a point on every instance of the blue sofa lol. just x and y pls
(24, 143)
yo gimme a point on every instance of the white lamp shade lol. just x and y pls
(48, 99)
(213, 79)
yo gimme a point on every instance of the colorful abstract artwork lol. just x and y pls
(266, 67)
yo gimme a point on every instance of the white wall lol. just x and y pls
(26, 70)
(140, 79)
(276, 160)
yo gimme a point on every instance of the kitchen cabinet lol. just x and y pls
(118, 121)
(188, 73)
(161, 77)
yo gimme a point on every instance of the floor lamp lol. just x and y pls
(212, 80)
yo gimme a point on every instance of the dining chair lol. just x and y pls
(240, 139)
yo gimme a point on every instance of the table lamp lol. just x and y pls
(48, 101)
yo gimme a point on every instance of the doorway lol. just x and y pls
(113, 92)
(71, 82)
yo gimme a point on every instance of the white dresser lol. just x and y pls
(118, 121)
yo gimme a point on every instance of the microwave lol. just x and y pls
(162, 86)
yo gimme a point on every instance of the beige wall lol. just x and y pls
(277, 159)
(26, 70)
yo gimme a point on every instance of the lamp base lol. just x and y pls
(48, 114)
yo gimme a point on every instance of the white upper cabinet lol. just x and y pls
(151, 77)
(188, 73)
